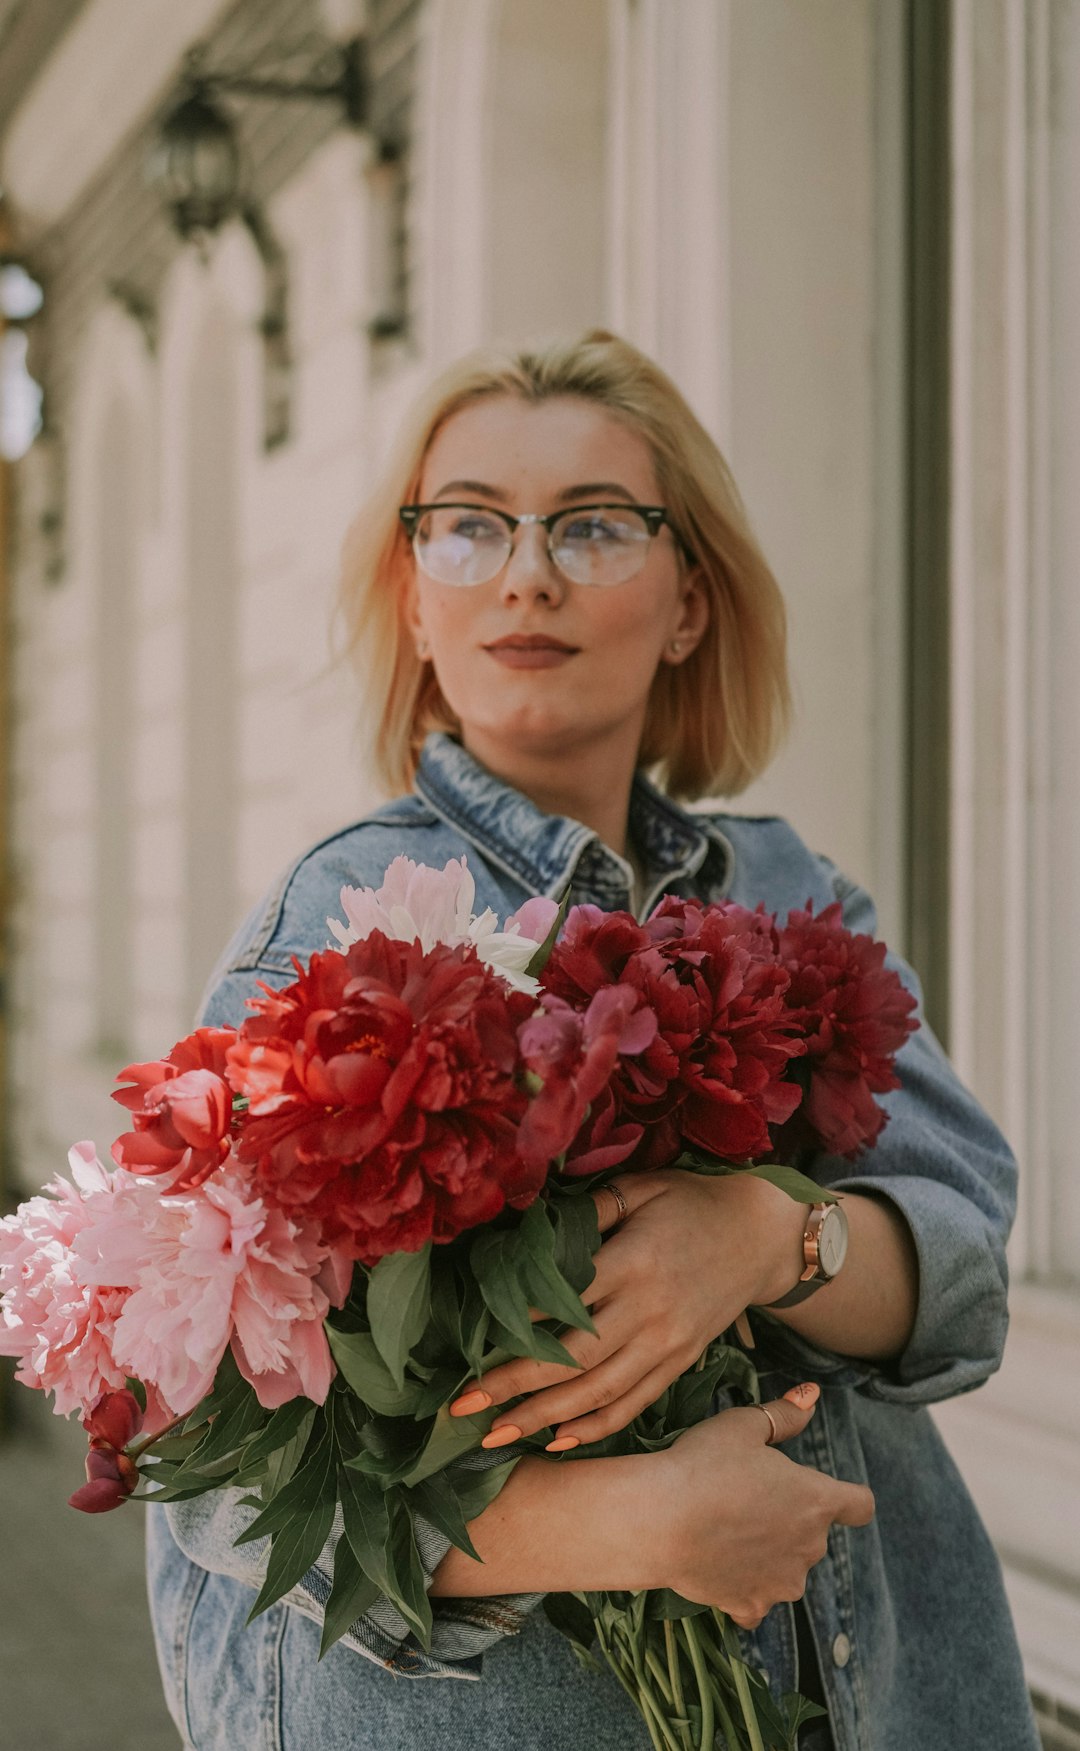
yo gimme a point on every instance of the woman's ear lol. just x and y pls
(691, 618)
(414, 621)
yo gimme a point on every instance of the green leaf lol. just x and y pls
(236, 1417)
(543, 954)
(177, 1446)
(137, 1390)
(541, 1345)
(285, 1422)
(475, 1489)
(367, 1522)
(494, 1259)
(436, 1499)
(577, 1239)
(664, 1602)
(368, 1374)
(350, 1596)
(388, 1449)
(407, 1586)
(398, 1304)
(450, 1438)
(569, 1614)
(295, 1496)
(544, 1282)
(297, 1540)
(283, 1464)
(797, 1185)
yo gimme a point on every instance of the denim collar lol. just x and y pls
(547, 852)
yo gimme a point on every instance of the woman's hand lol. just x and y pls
(746, 1523)
(719, 1516)
(690, 1256)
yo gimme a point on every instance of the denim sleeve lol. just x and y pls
(206, 1528)
(942, 1162)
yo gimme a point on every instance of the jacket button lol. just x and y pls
(841, 1650)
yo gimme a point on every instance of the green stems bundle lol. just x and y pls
(681, 1665)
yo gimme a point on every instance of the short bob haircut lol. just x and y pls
(714, 722)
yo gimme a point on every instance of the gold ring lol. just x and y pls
(624, 1208)
(772, 1425)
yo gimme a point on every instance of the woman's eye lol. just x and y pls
(590, 529)
(475, 528)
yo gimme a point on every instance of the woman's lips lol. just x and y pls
(530, 653)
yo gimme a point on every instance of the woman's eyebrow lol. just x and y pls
(591, 489)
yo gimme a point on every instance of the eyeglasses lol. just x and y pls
(591, 544)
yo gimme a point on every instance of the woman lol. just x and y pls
(553, 587)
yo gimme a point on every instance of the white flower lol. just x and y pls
(420, 904)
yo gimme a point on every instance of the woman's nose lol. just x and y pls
(530, 574)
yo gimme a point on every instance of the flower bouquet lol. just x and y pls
(327, 1222)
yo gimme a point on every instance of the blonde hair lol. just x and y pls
(715, 721)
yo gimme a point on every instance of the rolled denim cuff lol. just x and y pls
(207, 1527)
(961, 1315)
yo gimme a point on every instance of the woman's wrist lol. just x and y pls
(559, 1526)
(773, 1224)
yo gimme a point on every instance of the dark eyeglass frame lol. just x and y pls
(655, 517)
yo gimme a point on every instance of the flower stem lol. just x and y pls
(705, 1689)
(746, 1701)
(671, 1648)
(140, 1447)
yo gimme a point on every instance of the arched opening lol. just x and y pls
(210, 618)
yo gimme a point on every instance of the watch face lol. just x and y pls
(832, 1240)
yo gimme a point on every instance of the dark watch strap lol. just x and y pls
(799, 1293)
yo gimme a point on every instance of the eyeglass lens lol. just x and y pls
(458, 545)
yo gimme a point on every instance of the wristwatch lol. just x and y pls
(824, 1249)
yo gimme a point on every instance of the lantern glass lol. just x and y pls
(196, 164)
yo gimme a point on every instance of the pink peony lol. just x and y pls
(60, 1328)
(430, 906)
(204, 1270)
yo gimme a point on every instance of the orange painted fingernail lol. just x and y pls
(502, 1435)
(808, 1393)
(471, 1402)
(563, 1445)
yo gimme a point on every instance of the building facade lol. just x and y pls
(849, 229)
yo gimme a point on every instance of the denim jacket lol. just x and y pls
(915, 1643)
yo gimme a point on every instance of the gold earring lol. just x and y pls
(676, 646)
(423, 650)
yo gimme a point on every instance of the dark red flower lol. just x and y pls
(715, 1074)
(385, 1094)
(113, 1420)
(574, 1052)
(855, 1014)
(114, 1417)
(183, 1111)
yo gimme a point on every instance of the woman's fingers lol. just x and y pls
(512, 1379)
(614, 1415)
(631, 1190)
(602, 1385)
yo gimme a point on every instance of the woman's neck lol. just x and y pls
(592, 790)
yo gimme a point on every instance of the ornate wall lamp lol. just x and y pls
(196, 164)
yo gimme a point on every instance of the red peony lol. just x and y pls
(855, 1014)
(385, 1094)
(183, 1111)
(714, 1075)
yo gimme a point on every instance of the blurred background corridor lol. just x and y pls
(236, 239)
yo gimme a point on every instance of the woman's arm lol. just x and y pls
(721, 1517)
